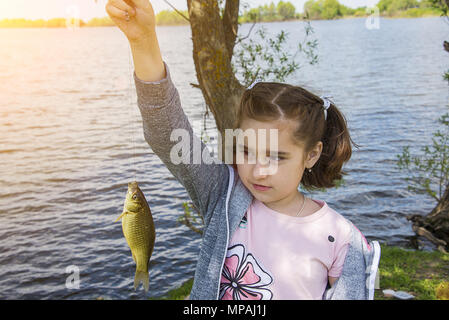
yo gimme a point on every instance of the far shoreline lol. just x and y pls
(86, 25)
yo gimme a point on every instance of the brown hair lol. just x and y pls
(271, 101)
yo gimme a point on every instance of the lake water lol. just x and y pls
(70, 128)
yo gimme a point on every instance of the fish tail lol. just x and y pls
(144, 277)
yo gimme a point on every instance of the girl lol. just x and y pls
(262, 239)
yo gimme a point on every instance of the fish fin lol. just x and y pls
(134, 257)
(120, 216)
(143, 277)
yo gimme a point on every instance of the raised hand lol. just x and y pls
(135, 18)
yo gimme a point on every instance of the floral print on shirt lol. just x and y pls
(242, 277)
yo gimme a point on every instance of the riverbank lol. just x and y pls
(106, 22)
(416, 272)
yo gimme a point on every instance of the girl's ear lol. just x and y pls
(314, 154)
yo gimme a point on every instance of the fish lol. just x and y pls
(139, 231)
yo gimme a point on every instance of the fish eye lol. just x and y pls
(134, 196)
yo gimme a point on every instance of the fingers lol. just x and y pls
(142, 4)
(116, 12)
(122, 5)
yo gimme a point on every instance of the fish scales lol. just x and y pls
(138, 229)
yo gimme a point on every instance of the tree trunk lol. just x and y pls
(435, 225)
(213, 40)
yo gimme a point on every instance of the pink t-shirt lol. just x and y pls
(276, 256)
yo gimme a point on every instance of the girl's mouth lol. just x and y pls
(260, 188)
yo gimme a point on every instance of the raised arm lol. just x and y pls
(135, 18)
(160, 106)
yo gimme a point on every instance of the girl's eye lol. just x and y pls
(273, 157)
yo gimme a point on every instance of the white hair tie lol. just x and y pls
(327, 104)
(253, 84)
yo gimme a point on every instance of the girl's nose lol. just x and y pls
(261, 168)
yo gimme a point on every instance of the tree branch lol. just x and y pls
(230, 23)
(249, 32)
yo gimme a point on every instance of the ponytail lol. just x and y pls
(336, 151)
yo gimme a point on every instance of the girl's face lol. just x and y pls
(281, 170)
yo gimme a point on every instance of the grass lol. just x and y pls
(177, 293)
(416, 272)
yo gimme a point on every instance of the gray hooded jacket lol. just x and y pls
(222, 199)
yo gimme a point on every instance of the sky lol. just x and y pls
(88, 9)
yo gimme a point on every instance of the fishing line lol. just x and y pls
(130, 90)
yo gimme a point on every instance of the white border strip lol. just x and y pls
(374, 269)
